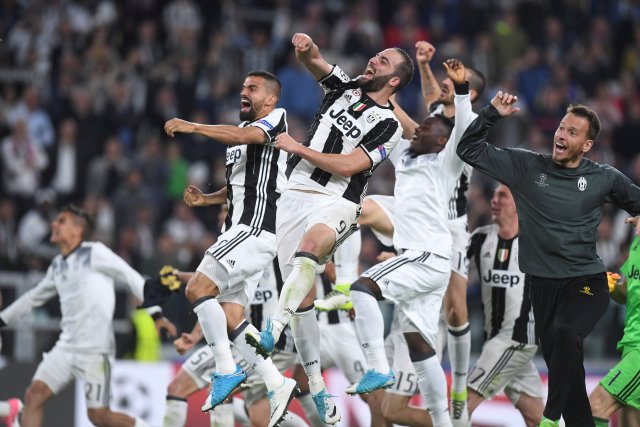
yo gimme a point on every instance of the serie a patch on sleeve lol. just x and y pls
(383, 152)
(266, 123)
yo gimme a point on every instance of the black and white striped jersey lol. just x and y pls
(458, 201)
(347, 119)
(256, 176)
(505, 298)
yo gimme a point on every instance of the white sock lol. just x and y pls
(264, 367)
(222, 416)
(240, 412)
(295, 288)
(4, 408)
(175, 413)
(310, 411)
(140, 423)
(293, 420)
(459, 344)
(306, 335)
(346, 259)
(433, 388)
(214, 327)
(370, 327)
(443, 335)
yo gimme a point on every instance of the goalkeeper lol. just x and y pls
(621, 386)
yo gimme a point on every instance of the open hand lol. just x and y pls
(635, 221)
(503, 102)
(167, 325)
(184, 343)
(455, 70)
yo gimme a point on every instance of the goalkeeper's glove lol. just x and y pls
(169, 278)
(157, 291)
(612, 279)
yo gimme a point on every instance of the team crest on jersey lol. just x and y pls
(373, 117)
(582, 183)
(503, 255)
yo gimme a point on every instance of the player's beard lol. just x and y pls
(248, 116)
(375, 84)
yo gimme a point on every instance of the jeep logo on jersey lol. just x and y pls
(233, 155)
(635, 273)
(262, 296)
(582, 183)
(503, 278)
(345, 122)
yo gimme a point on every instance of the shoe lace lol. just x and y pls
(458, 408)
(322, 401)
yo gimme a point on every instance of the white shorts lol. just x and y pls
(395, 346)
(460, 237)
(415, 281)
(235, 263)
(506, 365)
(59, 366)
(339, 347)
(386, 204)
(299, 211)
(201, 364)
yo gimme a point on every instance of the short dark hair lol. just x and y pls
(86, 220)
(269, 77)
(477, 81)
(404, 70)
(446, 122)
(591, 116)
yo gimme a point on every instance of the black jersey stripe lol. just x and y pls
(499, 295)
(228, 221)
(328, 100)
(458, 203)
(332, 145)
(497, 368)
(522, 328)
(227, 247)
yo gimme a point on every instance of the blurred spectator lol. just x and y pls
(132, 192)
(185, 229)
(22, 162)
(9, 259)
(357, 33)
(182, 19)
(65, 160)
(509, 41)
(34, 230)
(405, 29)
(178, 172)
(107, 172)
(38, 121)
(299, 81)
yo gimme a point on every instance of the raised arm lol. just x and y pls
(226, 134)
(194, 197)
(505, 166)
(309, 54)
(408, 124)
(428, 84)
(36, 297)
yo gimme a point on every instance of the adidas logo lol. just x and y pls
(231, 262)
(486, 255)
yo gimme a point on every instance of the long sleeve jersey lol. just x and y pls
(559, 208)
(84, 281)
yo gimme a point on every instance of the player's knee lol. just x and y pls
(419, 349)
(197, 290)
(367, 286)
(177, 388)
(98, 416)
(368, 208)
